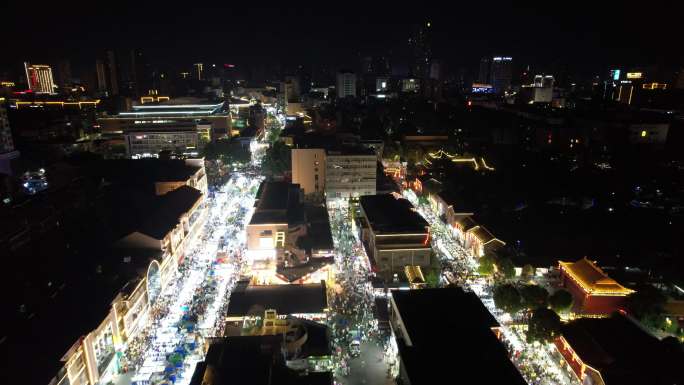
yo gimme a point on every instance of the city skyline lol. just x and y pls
(605, 35)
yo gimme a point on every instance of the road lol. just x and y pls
(188, 309)
(537, 362)
(352, 316)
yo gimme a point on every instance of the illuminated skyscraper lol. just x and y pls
(501, 73)
(199, 71)
(39, 78)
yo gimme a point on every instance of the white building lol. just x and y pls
(346, 84)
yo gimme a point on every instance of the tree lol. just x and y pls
(277, 159)
(432, 278)
(543, 326)
(486, 265)
(561, 301)
(527, 272)
(534, 296)
(506, 267)
(507, 298)
(647, 305)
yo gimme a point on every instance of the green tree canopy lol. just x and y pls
(561, 301)
(277, 159)
(647, 304)
(543, 326)
(534, 296)
(527, 272)
(506, 267)
(432, 278)
(507, 298)
(486, 265)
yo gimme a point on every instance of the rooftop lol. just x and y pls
(277, 202)
(592, 279)
(600, 343)
(171, 206)
(285, 299)
(250, 360)
(456, 321)
(389, 214)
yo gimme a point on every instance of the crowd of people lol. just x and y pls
(186, 312)
(352, 320)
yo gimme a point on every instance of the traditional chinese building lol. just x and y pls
(594, 292)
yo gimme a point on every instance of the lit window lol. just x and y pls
(643, 133)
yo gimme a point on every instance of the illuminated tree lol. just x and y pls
(486, 265)
(506, 268)
(647, 305)
(527, 272)
(561, 301)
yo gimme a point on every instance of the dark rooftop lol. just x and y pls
(453, 321)
(285, 299)
(170, 208)
(144, 171)
(248, 360)
(600, 343)
(278, 202)
(387, 214)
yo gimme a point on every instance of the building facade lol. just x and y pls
(39, 78)
(394, 234)
(594, 292)
(309, 168)
(350, 174)
(346, 84)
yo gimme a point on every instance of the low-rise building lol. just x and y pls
(394, 234)
(594, 292)
(427, 321)
(285, 235)
(248, 302)
(616, 351)
(283, 351)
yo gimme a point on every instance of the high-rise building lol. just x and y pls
(420, 43)
(39, 78)
(64, 73)
(346, 84)
(101, 76)
(7, 152)
(199, 71)
(113, 73)
(501, 73)
(485, 64)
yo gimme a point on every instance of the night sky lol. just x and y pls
(584, 37)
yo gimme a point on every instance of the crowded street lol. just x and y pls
(360, 349)
(188, 310)
(537, 362)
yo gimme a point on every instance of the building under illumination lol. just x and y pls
(501, 73)
(394, 234)
(594, 292)
(288, 240)
(150, 128)
(39, 78)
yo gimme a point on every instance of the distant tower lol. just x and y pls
(39, 78)
(501, 73)
(421, 46)
(346, 84)
(113, 73)
(199, 70)
(485, 64)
